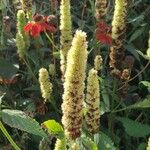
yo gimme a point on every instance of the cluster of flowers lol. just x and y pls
(39, 24)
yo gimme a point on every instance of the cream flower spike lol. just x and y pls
(74, 86)
(93, 102)
(45, 84)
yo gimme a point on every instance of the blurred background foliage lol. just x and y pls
(24, 94)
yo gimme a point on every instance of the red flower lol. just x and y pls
(34, 28)
(102, 33)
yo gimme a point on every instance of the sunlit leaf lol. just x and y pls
(54, 128)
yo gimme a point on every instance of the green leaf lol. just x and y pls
(143, 104)
(54, 128)
(103, 108)
(32, 88)
(147, 84)
(105, 143)
(142, 146)
(105, 95)
(136, 19)
(89, 144)
(18, 119)
(136, 34)
(56, 55)
(130, 47)
(134, 128)
(7, 69)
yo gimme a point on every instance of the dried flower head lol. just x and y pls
(129, 61)
(51, 19)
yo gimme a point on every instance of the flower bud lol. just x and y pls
(98, 62)
(52, 70)
(45, 84)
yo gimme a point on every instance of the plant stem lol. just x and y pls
(111, 116)
(50, 40)
(31, 72)
(148, 63)
(53, 50)
(8, 137)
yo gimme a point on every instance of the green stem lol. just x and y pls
(111, 116)
(119, 110)
(31, 72)
(56, 109)
(53, 50)
(50, 40)
(8, 137)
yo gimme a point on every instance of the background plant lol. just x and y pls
(121, 122)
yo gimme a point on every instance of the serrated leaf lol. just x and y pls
(18, 119)
(89, 144)
(134, 128)
(54, 128)
(105, 143)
